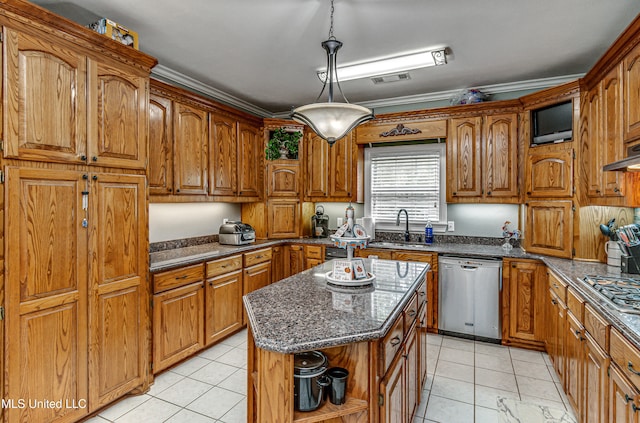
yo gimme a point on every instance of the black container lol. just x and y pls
(309, 384)
(338, 391)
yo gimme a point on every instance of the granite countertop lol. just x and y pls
(303, 312)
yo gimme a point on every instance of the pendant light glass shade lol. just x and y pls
(331, 121)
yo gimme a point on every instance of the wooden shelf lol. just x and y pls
(330, 411)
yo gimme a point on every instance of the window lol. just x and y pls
(410, 177)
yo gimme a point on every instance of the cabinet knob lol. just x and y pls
(94, 177)
(616, 189)
(488, 192)
(85, 176)
(94, 158)
(528, 192)
(455, 193)
(83, 158)
(598, 191)
(178, 190)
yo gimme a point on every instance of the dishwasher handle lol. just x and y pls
(470, 268)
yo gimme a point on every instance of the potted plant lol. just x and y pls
(283, 144)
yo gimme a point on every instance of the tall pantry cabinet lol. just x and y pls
(74, 217)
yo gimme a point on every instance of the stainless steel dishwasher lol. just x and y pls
(469, 297)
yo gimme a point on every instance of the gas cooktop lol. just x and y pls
(622, 293)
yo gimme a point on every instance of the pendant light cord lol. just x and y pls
(331, 37)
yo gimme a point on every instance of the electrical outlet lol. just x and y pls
(224, 221)
(451, 227)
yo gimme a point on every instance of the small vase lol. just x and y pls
(284, 153)
(507, 244)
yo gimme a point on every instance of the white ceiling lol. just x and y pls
(262, 55)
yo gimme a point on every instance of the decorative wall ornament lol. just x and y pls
(400, 129)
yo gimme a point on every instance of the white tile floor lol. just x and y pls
(465, 378)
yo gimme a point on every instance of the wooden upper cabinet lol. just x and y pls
(317, 166)
(631, 75)
(118, 116)
(549, 172)
(463, 158)
(549, 228)
(341, 168)
(500, 155)
(284, 179)
(331, 170)
(591, 137)
(191, 135)
(223, 151)
(160, 169)
(250, 155)
(283, 218)
(45, 98)
(613, 145)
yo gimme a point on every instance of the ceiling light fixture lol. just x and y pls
(389, 65)
(330, 120)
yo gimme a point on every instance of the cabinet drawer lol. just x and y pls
(222, 266)
(558, 286)
(597, 327)
(172, 278)
(626, 356)
(391, 344)
(255, 257)
(575, 303)
(422, 293)
(410, 312)
(313, 252)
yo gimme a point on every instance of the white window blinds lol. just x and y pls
(406, 180)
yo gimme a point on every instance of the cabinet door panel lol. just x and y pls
(284, 219)
(317, 166)
(250, 156)
(500, 155)
(613, 145)
(595, 389)
(177, 325)
(392, 388)
(527, 288)
(46, 292)
(341, 168)
(549, 228)
(463, 158)
(118, 118)
(118, 267)
(160, 169)
(632, 95)
(191, 135)
(45, 117)
(550, 174)
(284, 180)
(223, 306)
(594, 160)
(223, 151)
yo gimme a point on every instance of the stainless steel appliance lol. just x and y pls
(236, 233)
(320, 223)
(469, 297)
(622, 293)
(331, 253)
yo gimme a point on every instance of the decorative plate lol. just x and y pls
(359, 231)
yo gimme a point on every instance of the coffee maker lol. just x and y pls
(319, 223)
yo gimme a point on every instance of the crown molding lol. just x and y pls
(171, 75)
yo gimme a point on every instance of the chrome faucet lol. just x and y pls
(406, 230)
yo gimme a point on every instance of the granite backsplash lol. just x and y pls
(380, 236)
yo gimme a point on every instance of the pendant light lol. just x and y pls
(331, 120)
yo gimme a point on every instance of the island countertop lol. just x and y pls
(303, 312)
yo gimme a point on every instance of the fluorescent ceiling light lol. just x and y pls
(389, 65)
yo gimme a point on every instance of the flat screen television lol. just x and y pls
(552, 123)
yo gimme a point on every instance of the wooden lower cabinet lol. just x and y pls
(294, 260)
(574, 362)
(432, 283)
(524, 288)
(277, 263)
(622, 398)
(256, 277)
(595, 382)
(223, 306)
(178, 319)
(392, 392)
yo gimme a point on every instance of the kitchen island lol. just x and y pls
(376, 333)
